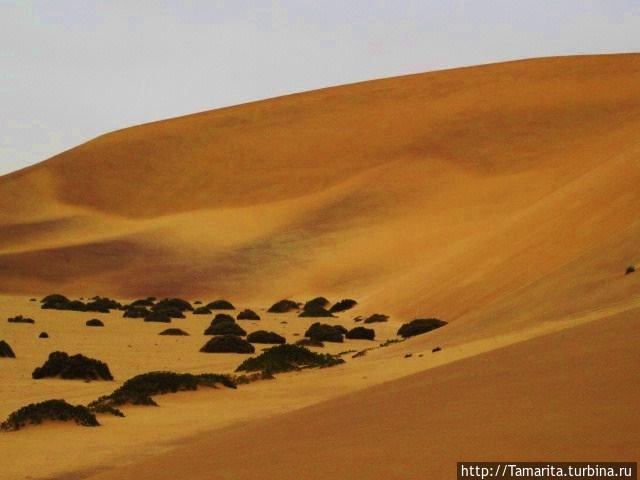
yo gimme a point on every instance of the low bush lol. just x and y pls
(94, 322)
(285, 358)
(307, 342)
(248, 315)
(174, 331)
(60, 364)
(158, 316)
(263, 336)
(284, 306)
(173, 304)
(54, 410)
(136, 312)
(376, 318)
(343, 305)
(43, 335)
(227, 344)
(325, 333)
(316, 311)
(202, 311)
(20, 319)
(630, 269)
(140, 389)
(6, 351)
(225, 328)
(102, 304)
(420, 326)
(318, 302)
(361, 333)
(220, 305)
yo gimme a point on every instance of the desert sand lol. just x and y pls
(501, 198)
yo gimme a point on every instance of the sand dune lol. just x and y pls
(501, 198)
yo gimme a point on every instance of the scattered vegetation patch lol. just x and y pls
(248, 315)
(140, 389)
(343, 305)
(420, 326)
(361, 333)
(221, 305)
(158, 316)
(20, 319)
(55, 410)
(94, 322)
(174, 331)
(221, 318)
(285, 358)
(60, 364)
(225, 327)
(316, 312)
(307, 342)
(136, 312)
(436, 349)
(102, 304)
(202, 311)
(263, 336)
(142, 302)
(325, 333)
(6, 351)
(227, 344)
(284, 306)
(169, 304)
(376, 318)
(320, 302)
(630, 269)
(97, 304)
(391, 341)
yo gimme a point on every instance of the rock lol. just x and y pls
(221, 305)
(325, 333)
(343, 305)
(174, 331)
(20, 319)
(6, 351)
(420, 326)
(60, 364)
(227, 344)
(263, 336)
(248, 315)
(94, 322)
(376, 318)
(284, 306)
(361, 333)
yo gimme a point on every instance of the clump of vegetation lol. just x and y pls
(6, 351)
(284, 306)
(222, 318)
(20, 319)
(143, 302)
(307, 342)
(436, 349)
(225, 327)
(320, 302)
(60, 364)
(420, 326)
(221, 305)
(174, 331)
(158, 316)
(316, 312)
(97, 304)
(227, 344)
(140, 389)
(630, 269)
(252, 377)
(43, 335)
(343, 305)
(391, 341)
(248, 315)
(94, 322)
(171, 304)
(376, 318)
(325, 333)
(361, 333)
(56, 410)
(263, 336)
(102, 304)
(136, 312)
(202, 311)
(285, 358)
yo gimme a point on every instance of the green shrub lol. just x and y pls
(263, 336)
(227, 344)
(20, 319)
(221, 305)
(376, 318)
(420, 326)
(57, 410)
(285, 358)
(174, 331)
(343, 305)
(284, 306)
(248, 315)
(325, 333)
(361, 333)
(60, 364)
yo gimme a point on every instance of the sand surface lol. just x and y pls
(502, 199)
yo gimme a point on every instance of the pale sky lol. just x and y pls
(72, 70)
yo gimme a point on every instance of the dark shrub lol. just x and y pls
(140, 389)
(224, 327)
(315, 312)
(5, 350)
(173, 304)
(284, 306)
(60, 364)
(318, 302)
(227, 344)
(158, 316)
(143, 302)
(307, 342)
(59, 302)
(285, 358)
(57, 410)
(197, 302)
(343, 305)
(420, 326)
(94, 322)
(102, 304)
(202, 311)
(136, 312)
(173, 331)
(221, 305)
(358, 319)
(437, 349)
(376, 318)
(630, 269)
(248, 315)
(325, 333)
(361, 333)
(43, 335)
(20, 319)
(55, 298)
(262, 336)
(168, 311)
(222, 318)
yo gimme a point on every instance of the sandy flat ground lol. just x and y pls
(501, 198)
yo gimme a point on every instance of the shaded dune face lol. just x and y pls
(437, 194)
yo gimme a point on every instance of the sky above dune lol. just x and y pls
(70, 71)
